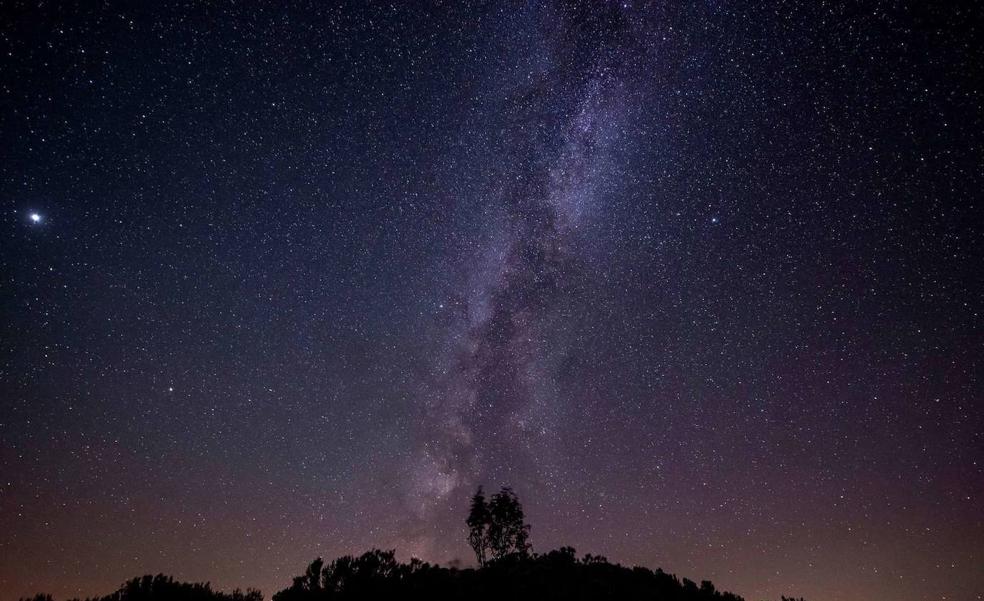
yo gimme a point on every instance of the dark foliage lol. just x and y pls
(478, 520)
(555, 575)
(164, 588)
(498, 528)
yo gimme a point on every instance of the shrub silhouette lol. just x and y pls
(165, 588)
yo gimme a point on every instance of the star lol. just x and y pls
(518, 251)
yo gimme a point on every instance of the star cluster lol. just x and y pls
(700, 281)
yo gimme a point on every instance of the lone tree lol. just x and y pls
(497, 528)
(478, 522)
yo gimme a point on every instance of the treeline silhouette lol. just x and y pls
(507, 570)
(165, 588)
(558, 575)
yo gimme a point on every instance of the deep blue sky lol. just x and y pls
(701, 282)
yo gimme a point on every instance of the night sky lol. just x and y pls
(702, 282)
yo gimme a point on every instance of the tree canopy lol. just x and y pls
(497, 528)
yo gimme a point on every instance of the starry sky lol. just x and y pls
(701, 281)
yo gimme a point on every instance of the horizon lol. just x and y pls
(700, 281)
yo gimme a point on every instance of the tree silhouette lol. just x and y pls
(508, 532)
(498, 529)
(478, 522)
(509, 570)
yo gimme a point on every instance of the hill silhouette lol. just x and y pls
(557, 575)
(164, 588)
(507, 569)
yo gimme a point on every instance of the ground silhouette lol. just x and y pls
(165, 588)
(559, 574)
(507, 570)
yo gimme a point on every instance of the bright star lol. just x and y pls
(35, 217)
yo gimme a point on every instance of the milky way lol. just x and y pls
(700, 281)
(496, 406)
